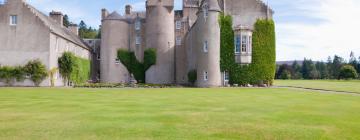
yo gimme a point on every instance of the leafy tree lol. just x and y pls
(347, 72)
(66, 64)
(66, 21)
(87, 32)
(37, 71)
(309, 70)
(286, 74)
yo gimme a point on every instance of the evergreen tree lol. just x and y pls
(337, 63)
(285, 72)
(87, 32)
(308, 70)
(323, 70)
(297, 70)
(66, 21)
(353, 61)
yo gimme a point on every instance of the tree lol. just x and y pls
(87, 32)
(323, 70)
(283, 72)
(37, 71)
(66, 64)
(297, 70)
(66, 21)
(285, 75)
(308, 69)
(337, 63)
(347, 72)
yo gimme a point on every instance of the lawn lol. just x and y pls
(337, 85)
(171, 114)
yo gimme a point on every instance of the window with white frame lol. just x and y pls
(13, 20)
(205, 46)
(206, 77)
(205, 9)
(178, 25)
(137, 25)
(117, 61)
(244, 43)
(237, 43)
(138, 40)
(178, 41)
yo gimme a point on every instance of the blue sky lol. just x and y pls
(304, 28)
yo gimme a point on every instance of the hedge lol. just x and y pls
(74, 69)
(34, 69)
(134, 66)
(263, 66)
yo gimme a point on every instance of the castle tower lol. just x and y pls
(160, 34)
(208, 54)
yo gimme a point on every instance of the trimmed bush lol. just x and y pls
(37, 71)
(263, 66)
(192, 76)
(348, 72)
(134, 66)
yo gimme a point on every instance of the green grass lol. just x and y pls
(336, 85)
(171, 114)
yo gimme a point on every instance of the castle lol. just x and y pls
(185, 40)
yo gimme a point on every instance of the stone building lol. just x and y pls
(27, 34)
(187, 39)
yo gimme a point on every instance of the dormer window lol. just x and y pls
(13, 20)
(137, 25)
(205, 9)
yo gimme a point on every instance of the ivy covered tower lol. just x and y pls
(160, 34)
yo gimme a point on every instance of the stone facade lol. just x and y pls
(185, 40)
(35, 36)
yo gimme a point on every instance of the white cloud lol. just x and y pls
(337, 35)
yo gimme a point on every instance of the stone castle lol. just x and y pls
(185, 40)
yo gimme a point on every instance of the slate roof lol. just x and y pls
(56, 28)
(128, 18)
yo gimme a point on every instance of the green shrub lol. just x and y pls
(263, 66)
(134, 66)
(19, 73)
(74, 69)
(6, 73)
(192, 76)
(285, 75)
(348, 72)
(37, 71)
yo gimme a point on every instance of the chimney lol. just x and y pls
(128, 9)
(104, 13)
(74, 28)
(58, 17)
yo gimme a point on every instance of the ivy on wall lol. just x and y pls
(262, 68)
(74, 69)
(134, 66)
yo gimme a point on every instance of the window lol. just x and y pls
(178, 41)
(205, 47)
(178, 25)
(117, 61)
(237, 43)
(13, 20)
(138, 40)
(226, 76)
(205, 9)
(137, 25)
(98, 56)
(244, 43)
(206, 76)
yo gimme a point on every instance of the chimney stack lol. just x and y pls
(128, 9)
(74, 28)
(58, 17)
(104, 13)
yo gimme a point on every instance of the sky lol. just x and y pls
(314, 29)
